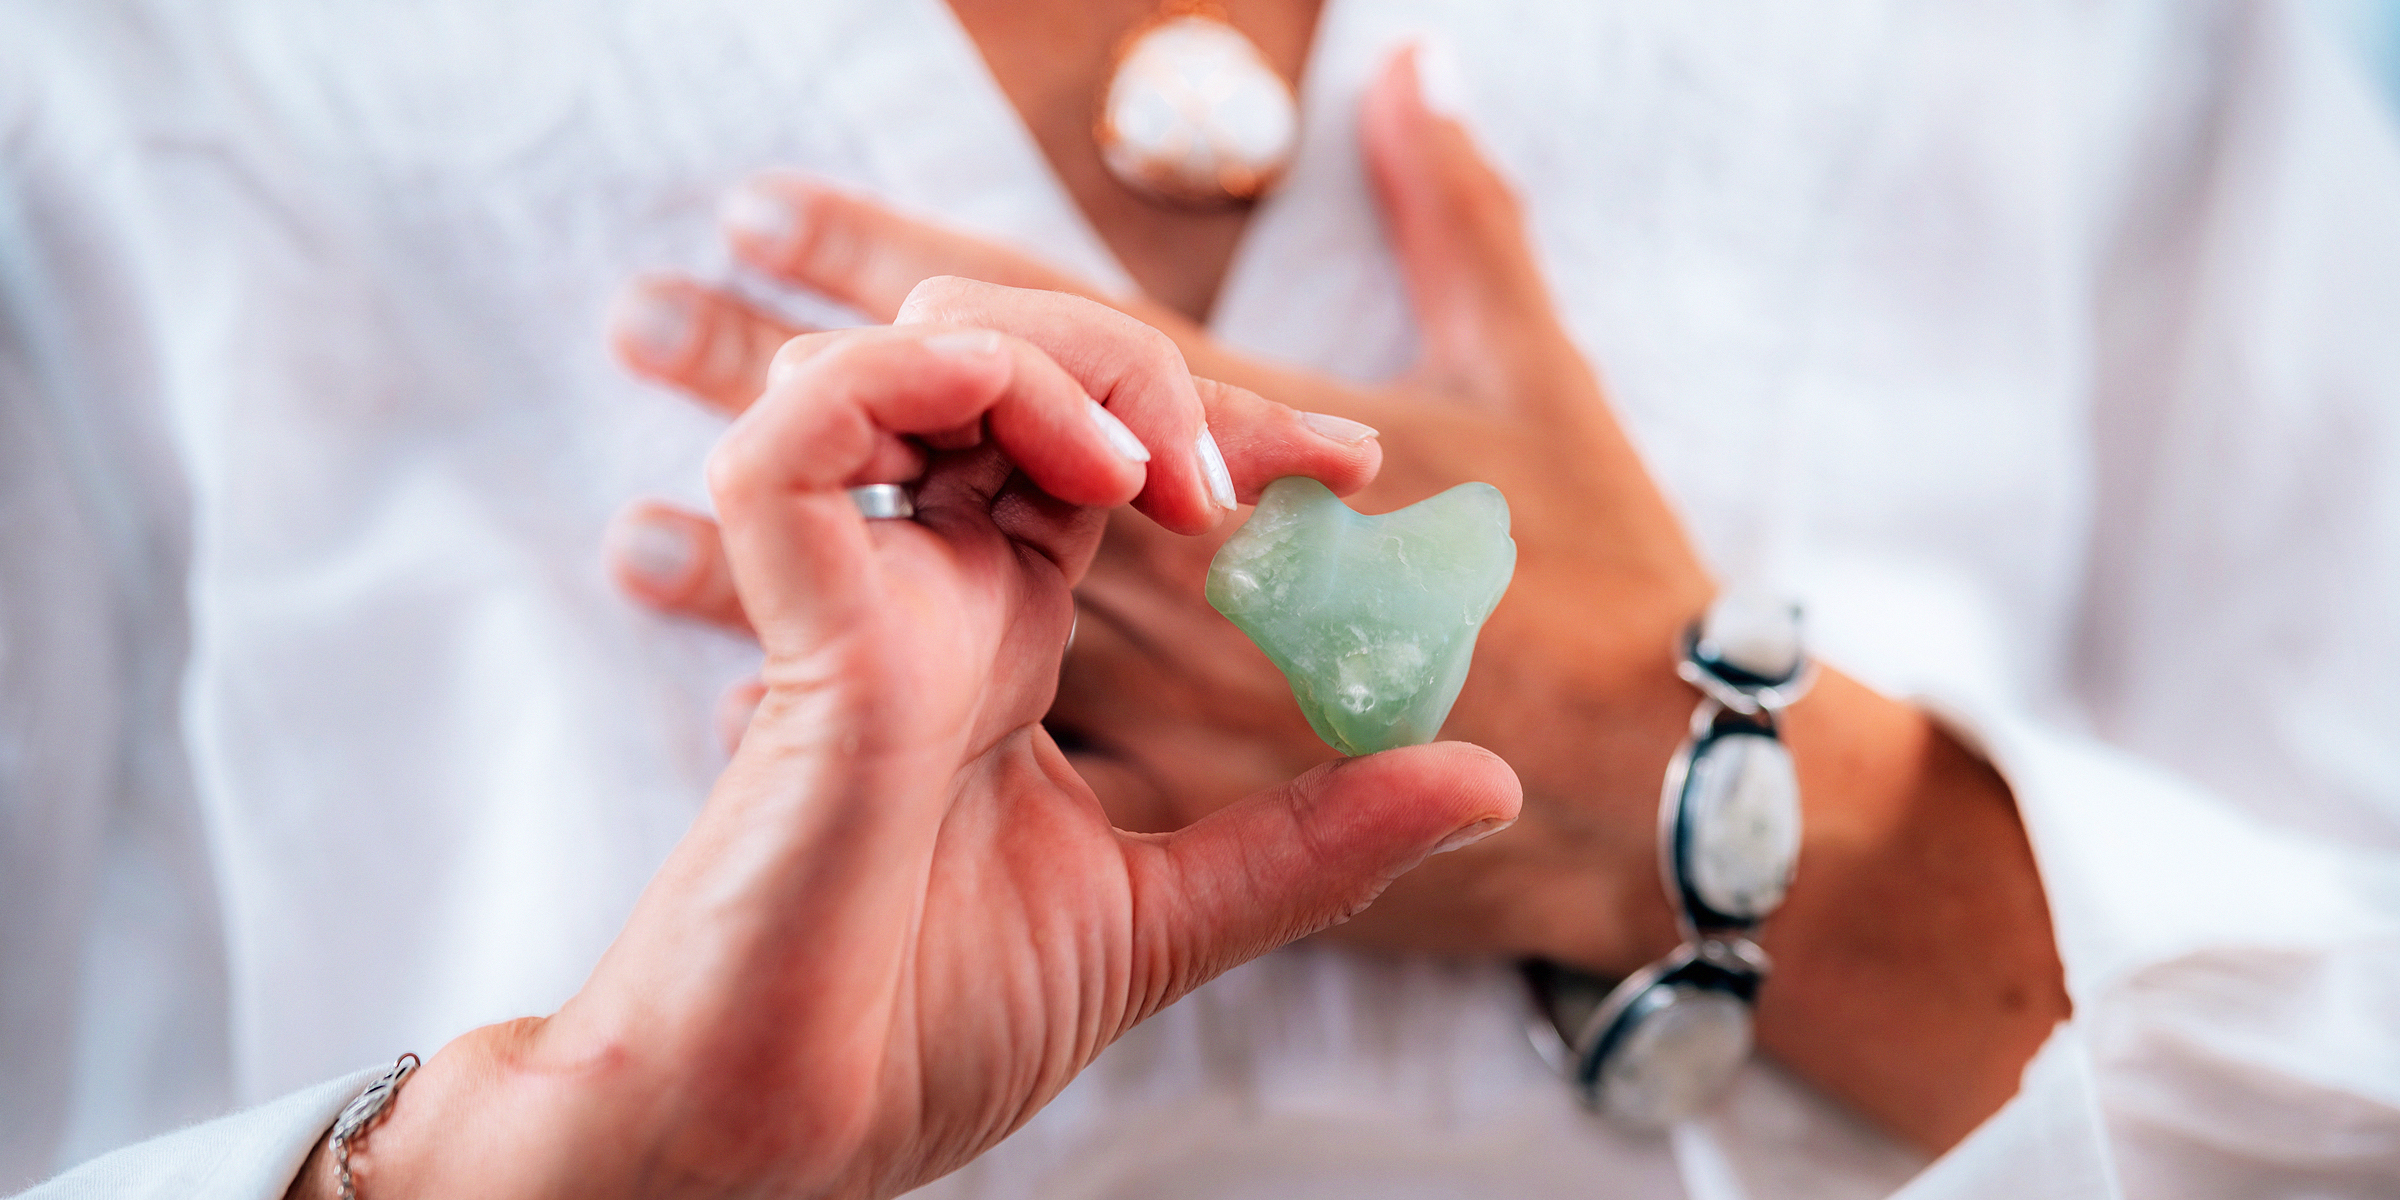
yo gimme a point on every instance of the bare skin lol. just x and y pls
(1916, 970)
(1052, 58)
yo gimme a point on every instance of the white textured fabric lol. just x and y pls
(252, 1155)
(2043, 349)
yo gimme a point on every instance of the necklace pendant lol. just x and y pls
(1194, 115)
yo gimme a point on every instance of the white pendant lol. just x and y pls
(1194, 114)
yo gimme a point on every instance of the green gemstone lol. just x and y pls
(1373, 619)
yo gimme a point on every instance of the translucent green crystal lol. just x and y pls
(1373, 619)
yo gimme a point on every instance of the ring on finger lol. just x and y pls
(883, 502)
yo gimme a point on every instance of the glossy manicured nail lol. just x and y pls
(1439, 83)
(1340, 429)
(1472, 834)
(1120, 439)
(654, 323)
(756, 212)
(1212, 470)
(965, 343)
(659, 552)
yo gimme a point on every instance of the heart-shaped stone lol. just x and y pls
(1373, 619)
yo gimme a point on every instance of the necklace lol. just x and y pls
(1193, 115)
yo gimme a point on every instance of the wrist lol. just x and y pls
(477, 1119)
(1663, 1042)
(1591, 735)
(1859, 756)
(1916, 971)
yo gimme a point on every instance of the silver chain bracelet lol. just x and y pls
(363, 1112)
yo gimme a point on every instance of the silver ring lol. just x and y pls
(883, 502)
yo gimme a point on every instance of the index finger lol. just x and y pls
(863, 254)
(843, 409)
(1214, 443)
(858, 252)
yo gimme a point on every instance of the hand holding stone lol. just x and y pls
(901, 922)
(1171, 708)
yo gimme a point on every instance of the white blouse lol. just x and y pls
(2046, 350)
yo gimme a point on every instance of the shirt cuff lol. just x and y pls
(252, 1155)
(2143, 868)
(2231, 982)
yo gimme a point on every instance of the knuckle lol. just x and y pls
(787, 359)
(1217, 396)
(718, 346)
(1489, 197)
(1308, 802)
(1156, 346)
(747, 464)
(934, 298)
(829, 242)
(1151, 350)
(730, 471)
(808, 352)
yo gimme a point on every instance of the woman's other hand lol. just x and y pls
(902, 922)
(1879, 996)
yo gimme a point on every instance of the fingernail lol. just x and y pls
(1472, 834)
(1120, 439)
(659, 552)
(1439, 83)
(964, 343)
(758, 213)
(654, 322)
(1212, 470)
(1340, 429)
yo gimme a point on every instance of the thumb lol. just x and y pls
(1294, 859)
(1482, 308)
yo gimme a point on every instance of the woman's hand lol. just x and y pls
(1879, 996)
(902, 922)
(1168, 708)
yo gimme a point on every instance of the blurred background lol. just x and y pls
(2374, 27)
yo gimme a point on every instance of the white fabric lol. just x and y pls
(2043, 349)
(255, 1153)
